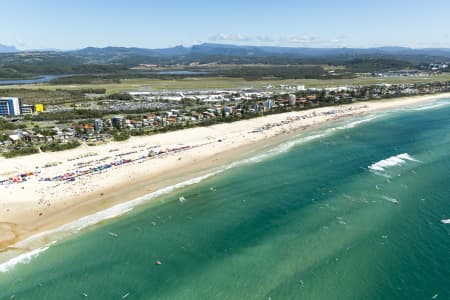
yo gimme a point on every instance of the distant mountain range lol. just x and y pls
(120, 59)
(258, 51)
(108, 54)
(111, 53)
(221, 53)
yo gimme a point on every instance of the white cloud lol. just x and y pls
(264, 39)
(230, 37)
(20, 44)
(222, 37)
(338, 40)
(304, 39)
(294, 40)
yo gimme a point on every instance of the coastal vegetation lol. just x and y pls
(53, 147)
(121, 136)
(50, 96)
(6, 125)
(21, 152)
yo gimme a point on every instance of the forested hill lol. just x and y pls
(118, 59)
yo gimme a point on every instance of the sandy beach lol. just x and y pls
(44, 191)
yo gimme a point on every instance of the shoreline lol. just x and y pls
(33, 207)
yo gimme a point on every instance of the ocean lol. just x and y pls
(350, 210)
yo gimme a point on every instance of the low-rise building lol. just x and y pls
(39, 107)
(27, 109)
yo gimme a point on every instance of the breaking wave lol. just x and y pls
(21, 259)
(432, 106)
(355, 123)
(390, 199)
(284, 147)
(391, 162)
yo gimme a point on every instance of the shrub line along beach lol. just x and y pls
(44, 191)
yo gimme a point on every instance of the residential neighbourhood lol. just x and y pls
(35, 126)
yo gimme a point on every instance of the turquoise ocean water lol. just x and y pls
(348, 211)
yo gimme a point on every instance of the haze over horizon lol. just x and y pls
(161, 24)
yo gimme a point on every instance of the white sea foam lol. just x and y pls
(284, 147)
(390, 199)
(21, 259)
(391, 162)
(432, 106)
(355, 123)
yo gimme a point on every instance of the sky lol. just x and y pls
(74, 24)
